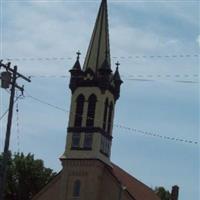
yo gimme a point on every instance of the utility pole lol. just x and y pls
(8, 78)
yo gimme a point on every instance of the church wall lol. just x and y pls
(96, 181)
(89, 172)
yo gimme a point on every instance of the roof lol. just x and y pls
(51, 187)
(136, 188)
(99, 49)
(117, 76)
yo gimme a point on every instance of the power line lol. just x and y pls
(128, 57)
(138, 131)
(4, 114)
(183, 78)
(128, 76)
(156, 135)
(46, 103)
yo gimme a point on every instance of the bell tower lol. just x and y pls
(95, 90)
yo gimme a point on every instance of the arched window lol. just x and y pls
(105, 114)
(77, 188)
(91, 110)
(110, 117)
(79, 110)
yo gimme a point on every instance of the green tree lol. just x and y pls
(25, 176)
(162, 193)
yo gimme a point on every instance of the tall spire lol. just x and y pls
(99, 48)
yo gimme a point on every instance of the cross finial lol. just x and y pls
(78, 54)
(117, 64)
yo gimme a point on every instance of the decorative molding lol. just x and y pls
(105, 154)
(73, 162)
(78, 173)
(81, 148)
(89, 130)
(100, 82)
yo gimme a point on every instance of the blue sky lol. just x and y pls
(164, 105)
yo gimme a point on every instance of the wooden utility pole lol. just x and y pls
(8, 78)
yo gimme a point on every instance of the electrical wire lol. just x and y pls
(46, 103)
(128, 76)
(141, 132)
(128, 57)
(4, 114)
(144, 78)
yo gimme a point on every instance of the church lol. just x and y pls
(87, 171)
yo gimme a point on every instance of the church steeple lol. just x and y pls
(95, 90)
(99, 49)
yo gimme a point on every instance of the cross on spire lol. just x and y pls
(78, 54)
(117, 64)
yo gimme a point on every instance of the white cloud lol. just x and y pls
(57, 30)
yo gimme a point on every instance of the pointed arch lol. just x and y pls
(105, 114)
(79, 110)
(77, 188)
(91, 110)
(110, 118)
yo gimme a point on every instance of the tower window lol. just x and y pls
(76, 140)
(88, 141)
(79, 111)
(77, 188)
(110, 117)
(105, 146)
(105, 114)
(91, 110)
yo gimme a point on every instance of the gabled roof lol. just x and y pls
(99, 49)
(52, 188)
(136, 188)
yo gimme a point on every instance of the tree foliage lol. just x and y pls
(162, 193)
(25, 176)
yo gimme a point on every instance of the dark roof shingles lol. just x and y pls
(136, 188)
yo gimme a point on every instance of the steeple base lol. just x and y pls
(96, 151)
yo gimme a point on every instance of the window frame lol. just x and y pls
(91, 110)
(105, 114)
(88, 138)
(110, 117)
(76, 136)
(76, 189)
(80, 101)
